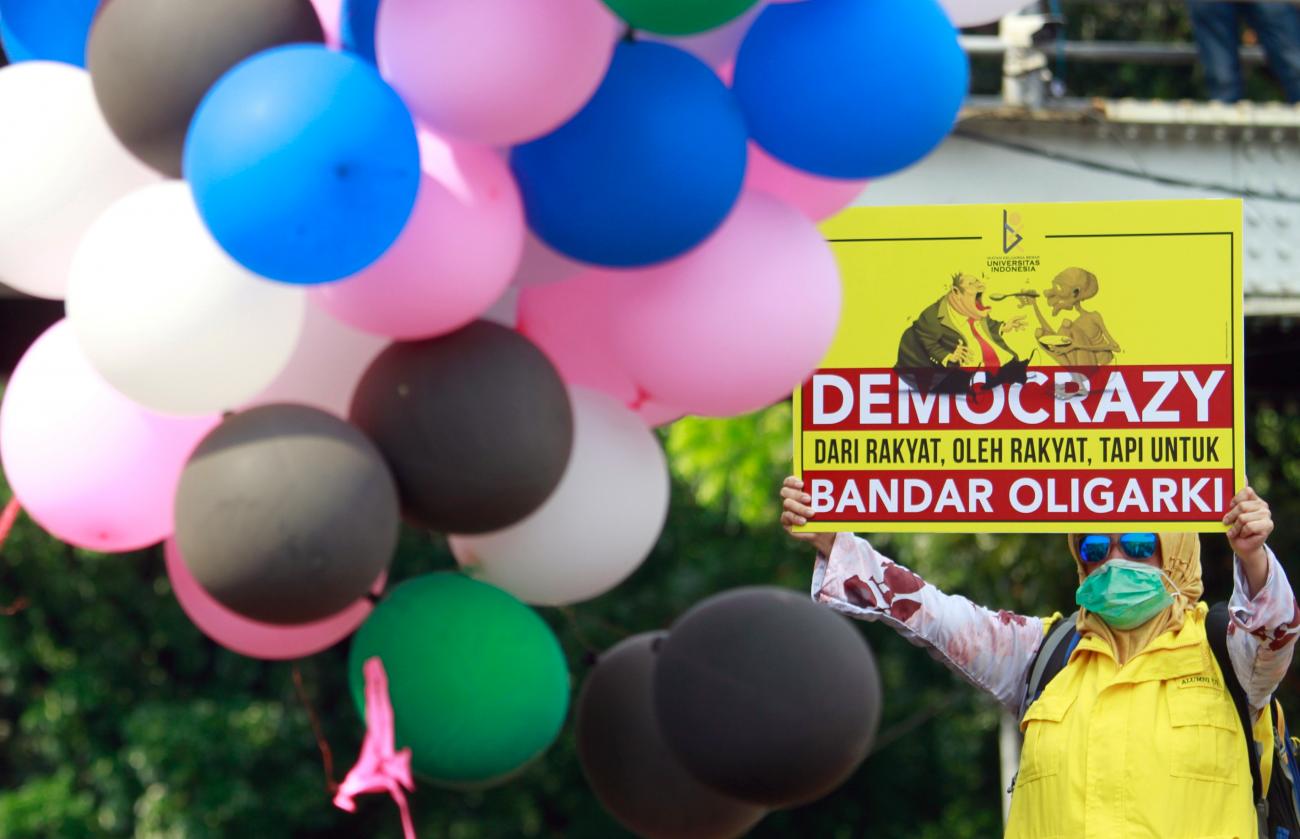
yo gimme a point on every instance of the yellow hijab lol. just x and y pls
(1181, 553)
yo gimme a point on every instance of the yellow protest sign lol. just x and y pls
(1037, 367)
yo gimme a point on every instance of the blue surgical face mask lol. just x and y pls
(1125, 593)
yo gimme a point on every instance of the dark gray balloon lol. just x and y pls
(766, 696)
(630, 768)
(476, 426)
(152, 61)
(286, 514)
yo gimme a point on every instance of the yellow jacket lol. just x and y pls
(1152, 749)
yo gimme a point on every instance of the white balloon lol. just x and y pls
(506, 310)
(540, 265)
(167, 317)
(596, 528)
(326, 365)
(60, 167)
(965, 13)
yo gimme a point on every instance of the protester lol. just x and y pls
(1137, 735)
(1216, 24)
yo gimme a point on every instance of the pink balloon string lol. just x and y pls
(379, 768)
(326, 753)
(8, 517)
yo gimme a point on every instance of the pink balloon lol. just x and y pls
(330, 13)
(737, 323)
(569, 320)
(816, 196)
(252, 638)
(455, 257)
(89, 465)
(656, 414)
(495, 71)
(325, 367)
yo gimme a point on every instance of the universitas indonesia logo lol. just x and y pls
(1010, 236)
(1013, 235)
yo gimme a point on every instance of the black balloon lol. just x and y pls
(630, 768)
(286, 514)
(766, 696)
(151, 61)
(476, 426)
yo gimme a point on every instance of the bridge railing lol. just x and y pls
(1029, 42)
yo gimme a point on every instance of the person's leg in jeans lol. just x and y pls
(1278, 28)
(1215, 26)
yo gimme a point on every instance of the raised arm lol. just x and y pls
(1265, 617)
(991, 650)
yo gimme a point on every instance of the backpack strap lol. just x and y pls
(1216, 630)
(1284, 764)
(1050, 659)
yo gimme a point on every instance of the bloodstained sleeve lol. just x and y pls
(1262, 632)
(991, 650)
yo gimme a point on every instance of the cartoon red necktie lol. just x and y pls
(991, 362)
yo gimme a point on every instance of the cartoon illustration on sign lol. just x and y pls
(956, 334)
(1081, 341)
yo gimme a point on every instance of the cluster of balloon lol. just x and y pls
(756, 699)
(329, 264)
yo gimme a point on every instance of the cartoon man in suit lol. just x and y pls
(956, 333)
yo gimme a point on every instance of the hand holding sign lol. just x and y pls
(796, 510)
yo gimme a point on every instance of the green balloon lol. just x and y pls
(678, 17)
(478, 682)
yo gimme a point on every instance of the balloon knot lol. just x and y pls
(379, 767)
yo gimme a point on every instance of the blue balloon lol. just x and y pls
(46, 30)
(10, 52)
(304, 163)
(646, 171)
(358, 27)
(851, 88)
